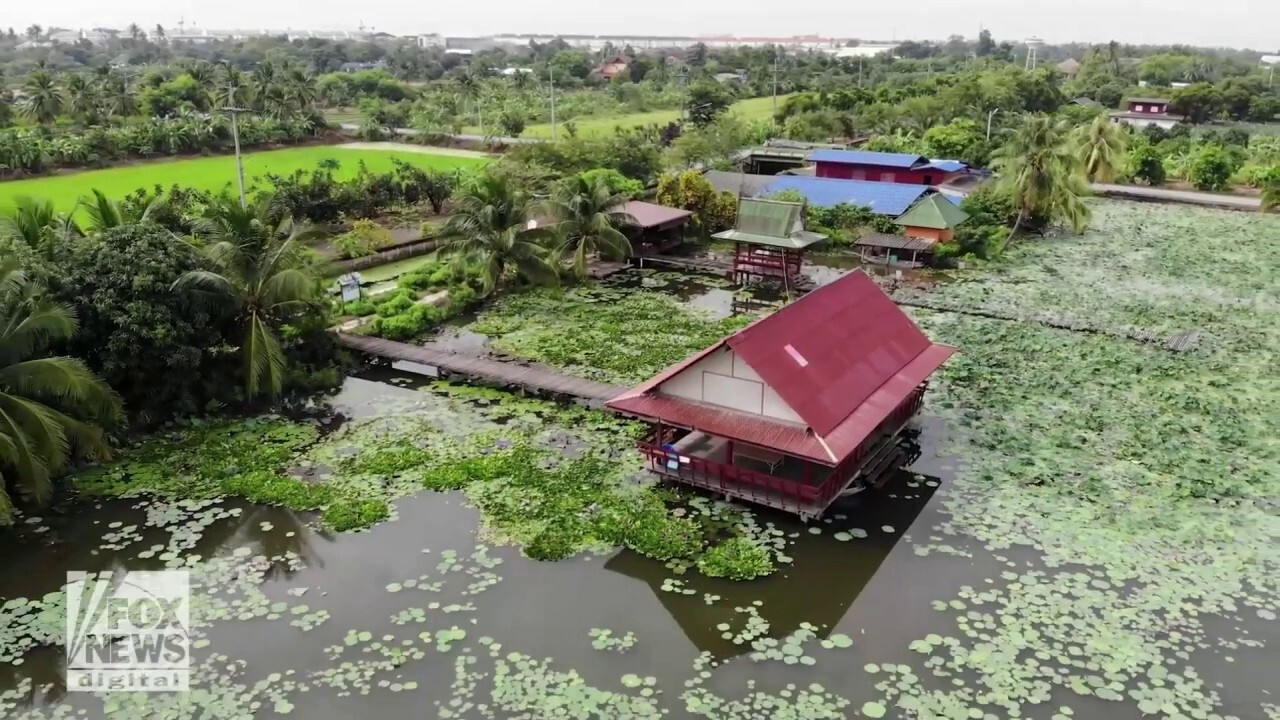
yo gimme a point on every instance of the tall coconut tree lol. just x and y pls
(1037, 167)
(44, 98)
(260, 272)
(1101, 146)
(81, 96)
(494, 227)
(588, 216)
(52, 409)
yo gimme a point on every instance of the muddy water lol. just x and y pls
(876, 590)
(542, 609)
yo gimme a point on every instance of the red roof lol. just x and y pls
(842, 358)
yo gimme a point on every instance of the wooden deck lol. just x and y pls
(531, 378)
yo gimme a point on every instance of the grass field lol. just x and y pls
(752, 109)
(212, 173)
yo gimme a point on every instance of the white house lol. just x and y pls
(430, 41)
(1147, 111)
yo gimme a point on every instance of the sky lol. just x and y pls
(1230, 23)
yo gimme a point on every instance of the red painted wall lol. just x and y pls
(843, 171)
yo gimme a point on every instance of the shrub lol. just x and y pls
(1211, 169)
(738, 558)
(617, 182)
(343, 515)
(1147, 165)
(364, 238)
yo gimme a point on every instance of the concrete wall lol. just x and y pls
(723, 379)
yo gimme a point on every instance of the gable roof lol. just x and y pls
(934, 212)
(770, 222)
(883, 198)
(649, 215)
(948, 165)
(1156, 101)
(866, 157)
(842, 358)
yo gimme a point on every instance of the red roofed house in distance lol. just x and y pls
(795, 409)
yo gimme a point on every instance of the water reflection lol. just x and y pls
(818, 587)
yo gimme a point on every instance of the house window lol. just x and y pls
(1140, 108)
(928, 180)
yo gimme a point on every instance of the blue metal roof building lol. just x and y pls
(902, 161)
(881, 197)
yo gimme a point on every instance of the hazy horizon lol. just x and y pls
(1234, 23)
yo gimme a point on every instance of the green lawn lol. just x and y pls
(212, 173)
(753, 109)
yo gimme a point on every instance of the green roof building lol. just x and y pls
(769, 240)
(933, 218)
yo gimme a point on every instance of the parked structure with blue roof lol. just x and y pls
(882, 198)
(885, 167)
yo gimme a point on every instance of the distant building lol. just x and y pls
(885, 167)
(361, 66)
(71, 37)
(865, 51)
(1147, 111)
(614, 66)
(934, 218)
(431, 41)
(1069, 67)
(731, 78)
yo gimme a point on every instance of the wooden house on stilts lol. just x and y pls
(795, 409)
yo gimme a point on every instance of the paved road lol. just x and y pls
(1137, 192)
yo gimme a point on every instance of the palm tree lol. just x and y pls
(52, 409)
(261, 274)
(81, 98)
(37, 225)
(469, 89)
(158, 33)
(34, 32)
(493, 226)
(588, 215)
(1037, 167)
(44, 99)
(1101, 147)
(135, 32)
(235, 88)
(103, 213)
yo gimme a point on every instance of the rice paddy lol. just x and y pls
(216, 173)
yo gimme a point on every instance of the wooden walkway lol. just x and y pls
(531, 378)
(715, 266)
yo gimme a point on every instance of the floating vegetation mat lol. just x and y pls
(603, 333)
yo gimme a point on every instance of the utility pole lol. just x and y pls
(552, 69)
(775, 83)
(235, 138)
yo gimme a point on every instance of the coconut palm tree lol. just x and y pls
(52, 409)
(158, 33)
(588, 215)
(494, 227)
(1038, 168)
(44, 98)
(260, 274)
(1101, 146)
(103, 213)
(36, 224)
(81, 98)
(135, 33)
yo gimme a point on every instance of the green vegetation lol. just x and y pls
(601, 333)
(1086, 447)
(752, 109)
(52, 409)
(738, 558)
(217, 173)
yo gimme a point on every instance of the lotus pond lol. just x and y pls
(1089, 529)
